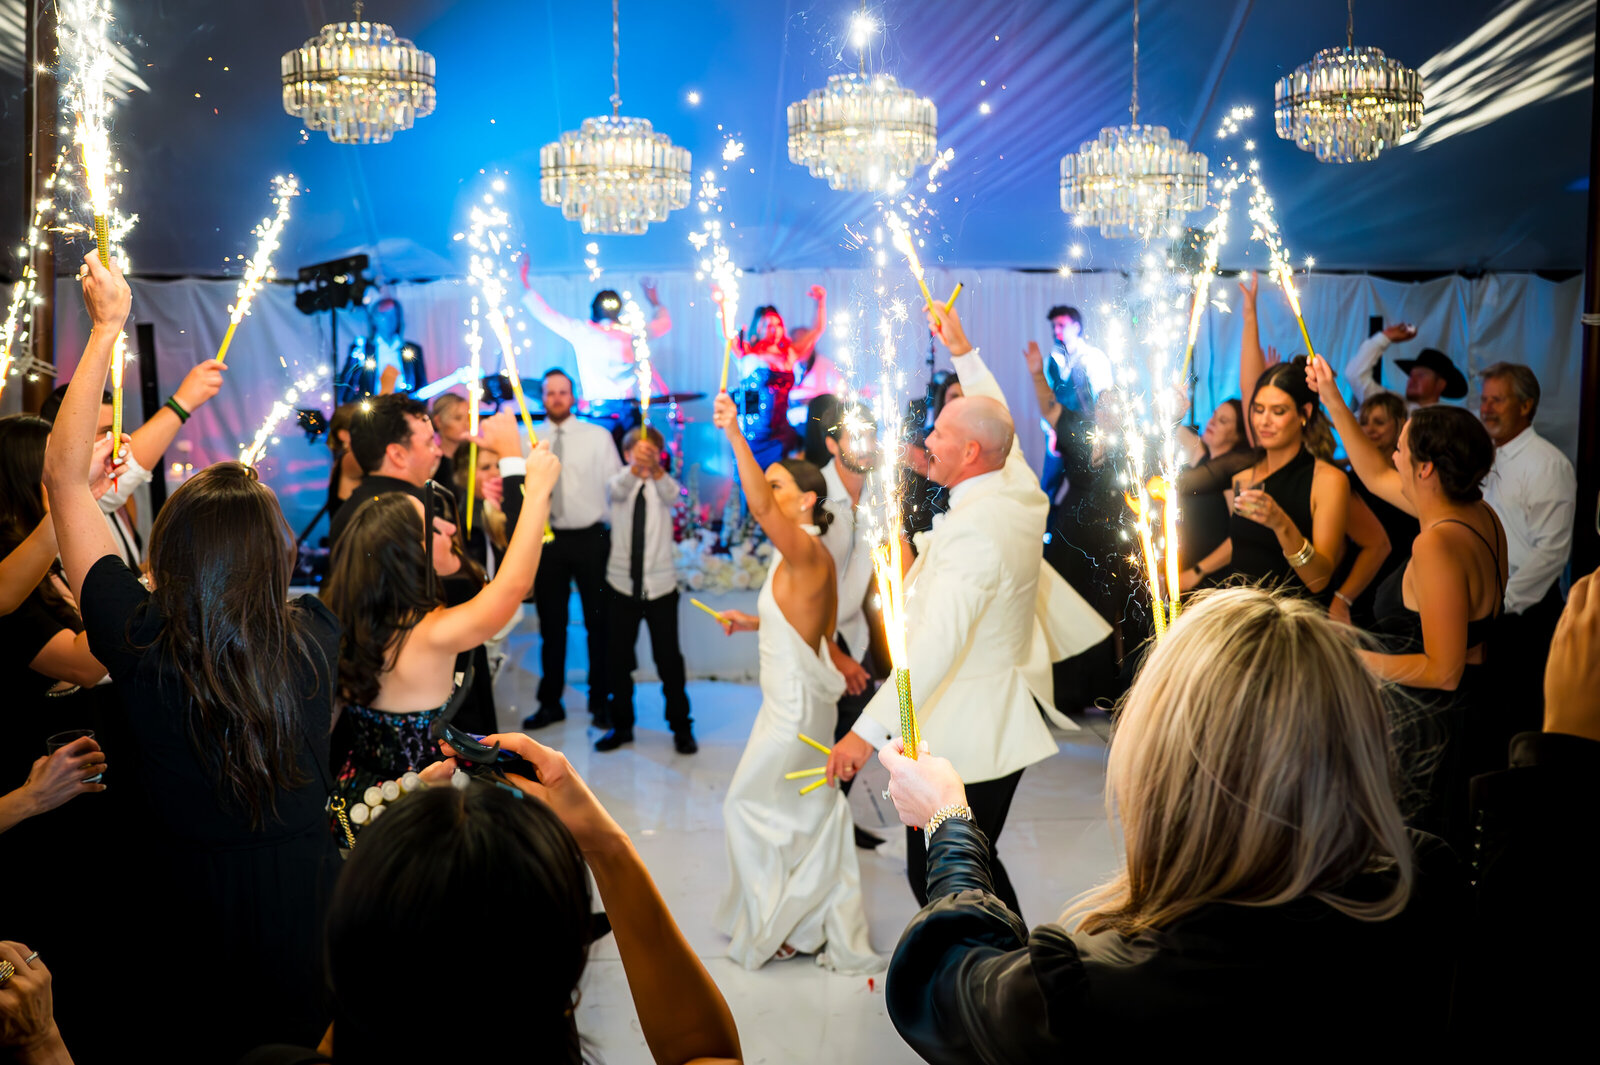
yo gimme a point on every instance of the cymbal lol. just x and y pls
(676, 397)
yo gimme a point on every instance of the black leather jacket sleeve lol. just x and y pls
(968, 982)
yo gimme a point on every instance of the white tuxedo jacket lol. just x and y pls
(985, 617)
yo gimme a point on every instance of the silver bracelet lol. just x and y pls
(1345, 599)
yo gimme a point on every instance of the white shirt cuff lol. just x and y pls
(131, 478)
(871, 731)
(513, 466)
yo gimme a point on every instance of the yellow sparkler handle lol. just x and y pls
(809, 742)
(802, 773)
(908, 714)
(813, 786)
(472, 478)
(116, 416)
(727, 354)
(504, 336)
(227, 339)
(102, 240)
(714, 613)
(927, 297)
(1311, 353)
(950, 303)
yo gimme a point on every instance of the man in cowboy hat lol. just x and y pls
(1430, 377)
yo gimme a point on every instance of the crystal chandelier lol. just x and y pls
(862, 131)
(1348, 104)
(358, 81)
(1133, 180)
(614, 174)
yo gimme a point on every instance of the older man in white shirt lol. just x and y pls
(1534, 490)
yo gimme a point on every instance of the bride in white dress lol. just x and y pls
(794, 885)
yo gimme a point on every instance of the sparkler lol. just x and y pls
(251, 454)
(908, 248)
(717, 264)
(474, 401)
(633, 320)
(1266, 231)
(87, 53)
(487, 237)
(886, 566)
(258, 269)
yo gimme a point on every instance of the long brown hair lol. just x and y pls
(221, 556)
(377, 588)
(1250, 766)
(22, 444)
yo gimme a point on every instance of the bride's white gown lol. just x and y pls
(793, 876)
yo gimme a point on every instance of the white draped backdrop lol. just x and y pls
(1477, 321)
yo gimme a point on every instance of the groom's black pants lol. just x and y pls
(991, 802)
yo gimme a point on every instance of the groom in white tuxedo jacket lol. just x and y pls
(982, 626)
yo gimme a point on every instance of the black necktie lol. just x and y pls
(636, 556)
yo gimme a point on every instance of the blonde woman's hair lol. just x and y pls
(1249, 765)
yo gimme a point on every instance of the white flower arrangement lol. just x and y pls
(704, 566)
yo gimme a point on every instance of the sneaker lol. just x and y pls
(545, 716)
(683, 743)
(612, 740)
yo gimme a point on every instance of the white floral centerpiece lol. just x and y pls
(705, 566)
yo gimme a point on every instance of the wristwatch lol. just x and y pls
(943, 814)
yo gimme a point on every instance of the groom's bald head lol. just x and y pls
(972, 436)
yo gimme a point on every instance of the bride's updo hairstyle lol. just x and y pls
(808, 478)
(1250, 766)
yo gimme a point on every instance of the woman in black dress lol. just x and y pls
(1290, 509)
(399, 656)
(1217, 455)
(1438, 612)
(225, 691)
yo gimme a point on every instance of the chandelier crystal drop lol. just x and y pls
(358, 82)
(1133, 181)
(614, 174)
(1348, 104)
(863, 131)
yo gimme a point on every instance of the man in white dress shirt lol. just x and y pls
(1534, 490)
(642, 585)
(852, 446)
(1076, 373)
(979, 657)
(578, 511)
(603, 345)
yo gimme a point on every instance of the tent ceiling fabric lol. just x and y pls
(203, 143)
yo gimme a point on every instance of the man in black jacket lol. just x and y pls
(393, 440)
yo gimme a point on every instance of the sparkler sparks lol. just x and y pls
(258, 270)
(251, 454)
(717, 264)
(633, 320)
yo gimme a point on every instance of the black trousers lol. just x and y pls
(1517, 658)
(851, 706)
(991, 802)
(574, 556)
(622, 625)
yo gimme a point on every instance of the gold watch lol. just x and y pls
(943, 814)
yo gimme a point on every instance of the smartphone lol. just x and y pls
(481, 759)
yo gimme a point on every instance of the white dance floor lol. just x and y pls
(1056, 844)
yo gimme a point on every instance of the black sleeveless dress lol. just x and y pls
(1257, 555)
(1443, 738)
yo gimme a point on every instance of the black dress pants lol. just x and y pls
(622, 625)
(574, 556)
(991, 802)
